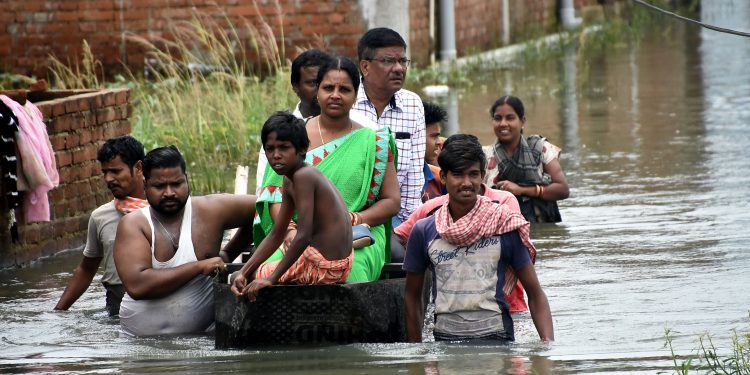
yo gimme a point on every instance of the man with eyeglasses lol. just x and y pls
(382, 99)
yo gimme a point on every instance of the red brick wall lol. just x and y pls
(419, 32)
(38, 28)
(78, 123)
(479, 22)
(478, 25)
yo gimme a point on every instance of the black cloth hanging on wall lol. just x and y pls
(8, 165)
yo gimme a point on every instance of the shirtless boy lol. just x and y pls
(321, 252)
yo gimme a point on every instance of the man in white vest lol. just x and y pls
(167, 250)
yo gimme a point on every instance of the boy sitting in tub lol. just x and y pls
(321, 252)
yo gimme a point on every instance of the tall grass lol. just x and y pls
(199, 93)
(77, 76)
(711, 359)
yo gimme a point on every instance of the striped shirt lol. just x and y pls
(405, 117)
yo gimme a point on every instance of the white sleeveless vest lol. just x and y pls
(189, 309)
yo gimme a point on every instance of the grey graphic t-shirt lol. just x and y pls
(467, 280)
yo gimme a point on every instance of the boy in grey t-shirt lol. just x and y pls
(476, 249)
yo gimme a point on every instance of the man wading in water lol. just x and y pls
(121, 161)
(163, 262)
(477, 249)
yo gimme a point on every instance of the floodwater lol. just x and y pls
(656, 141)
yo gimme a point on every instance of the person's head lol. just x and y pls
(304, 76)
(462, 168)
(338, 83)
(433, 116)
(285, 141)
(382, 60)
(508, 117)
(121, 160)
(165, 174)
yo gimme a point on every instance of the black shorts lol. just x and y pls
(115, 292)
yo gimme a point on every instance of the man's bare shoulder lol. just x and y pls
(223, 208)
(211, 200)
(134, 219)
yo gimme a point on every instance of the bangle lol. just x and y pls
(536, 194)
(357, 218)
(541, 192)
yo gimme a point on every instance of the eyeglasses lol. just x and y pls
(391, 61)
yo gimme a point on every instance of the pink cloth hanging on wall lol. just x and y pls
(37, 170)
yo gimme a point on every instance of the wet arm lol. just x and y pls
(82, 276)
(413, 306)
(389, 202)
(538, 303)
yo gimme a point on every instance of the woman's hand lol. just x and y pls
(509, 186)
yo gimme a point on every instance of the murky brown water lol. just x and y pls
(656, 144)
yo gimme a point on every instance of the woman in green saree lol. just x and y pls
(359, 162)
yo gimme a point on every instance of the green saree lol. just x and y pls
(355, 163)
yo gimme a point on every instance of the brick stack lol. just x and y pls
(78, 123)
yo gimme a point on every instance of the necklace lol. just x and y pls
(164, 230)
(323, 141)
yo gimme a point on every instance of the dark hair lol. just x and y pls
(433, 113)
(340, 63)
(379, 37)
(512, 101)
(288, 128)
(461, 151)
(129, 149)
(163, 157)
(311, 57)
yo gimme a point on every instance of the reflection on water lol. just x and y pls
(656, 150)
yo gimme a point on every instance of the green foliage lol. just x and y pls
(682, 367)
(709, 359)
